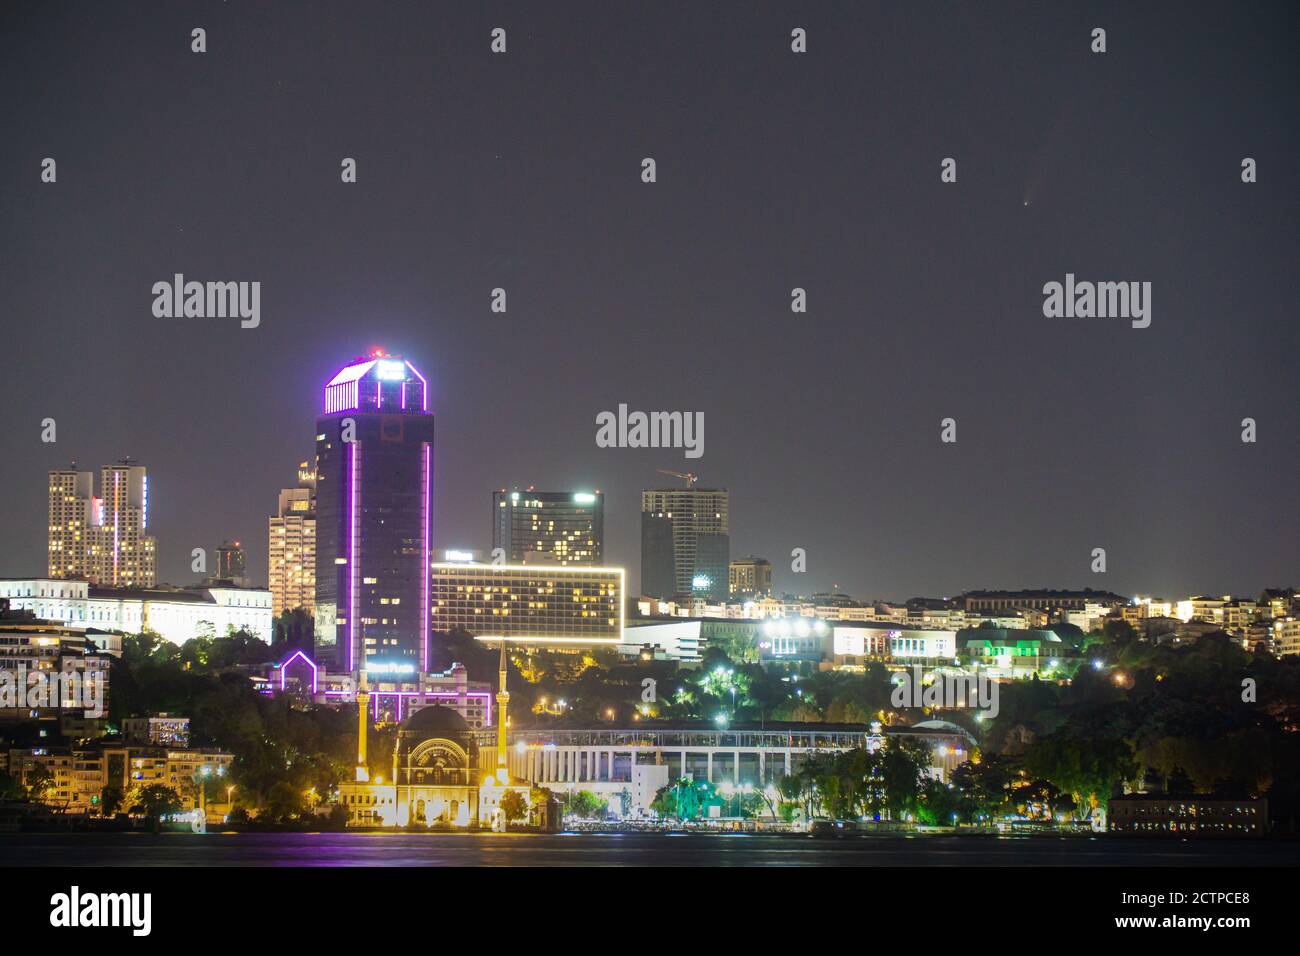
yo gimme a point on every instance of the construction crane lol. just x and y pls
(687, 476)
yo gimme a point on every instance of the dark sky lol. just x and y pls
(775, 170)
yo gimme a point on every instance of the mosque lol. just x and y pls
(444, 773)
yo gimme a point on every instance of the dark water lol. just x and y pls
(622, 849)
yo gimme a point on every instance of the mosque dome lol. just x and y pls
(435, 721)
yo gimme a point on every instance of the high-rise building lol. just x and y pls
(685, 542)
(73, 511)
(292, 546)
(549, 527)
(232, 563)
(374, 489)
(750, 577)
(102, 539)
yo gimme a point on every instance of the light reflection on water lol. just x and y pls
(618, 849)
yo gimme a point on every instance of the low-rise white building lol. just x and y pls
(175, 614)
(640, 761)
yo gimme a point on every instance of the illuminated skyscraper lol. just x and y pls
(549, 527)
(374, 488)
(102, 539)
(122, 554)
(685, 542)
(73, 511)
(292, 546)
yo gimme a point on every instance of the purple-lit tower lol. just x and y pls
(374, 496)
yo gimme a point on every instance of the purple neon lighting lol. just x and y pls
(424, 387)
(425, 610)
(352, 373)
(285, 667)
(352, 564)
(116, 546)
(342, 397)
(398, 694)
(343, 391)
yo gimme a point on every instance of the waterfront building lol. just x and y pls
(1187, 817)
(641, 761)
(444, 773)
(80, 776)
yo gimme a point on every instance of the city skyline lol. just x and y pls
(482, 547)
(1073, 434)
(637, 435)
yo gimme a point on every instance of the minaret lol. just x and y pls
(503, 699)
(363, 727)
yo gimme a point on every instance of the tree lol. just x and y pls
(1041, 800)
(514, 806)
(1090, 768)
(337, 819)
(983, 786)
(154, 802)
(110, 801)
(284, 802)
(292, 631)
(1179, 783)
(687, 799)
(939, 804)
(40, 783)
(586, 804)
(904, 769)
(10, 788)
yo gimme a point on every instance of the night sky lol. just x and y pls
(775, 170)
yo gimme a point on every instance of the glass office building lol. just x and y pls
(374, 492)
